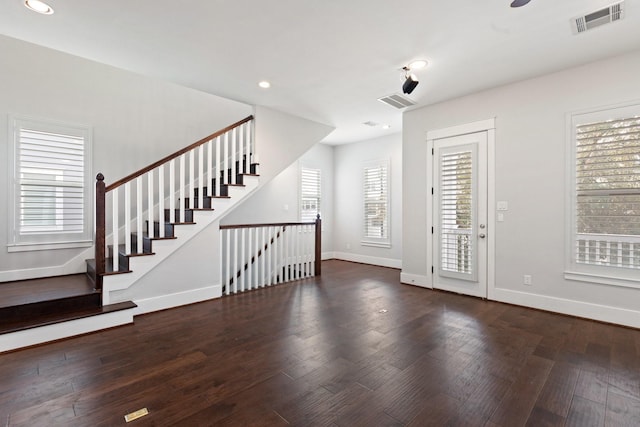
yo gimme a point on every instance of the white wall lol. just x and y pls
(279, 199)
(136, 120)
(348, 200)
(530, 174)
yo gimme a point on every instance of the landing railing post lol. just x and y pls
(100, 230)
(318, 256)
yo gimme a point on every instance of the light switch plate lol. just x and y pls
(503, 206)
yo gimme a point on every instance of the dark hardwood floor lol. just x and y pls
(321, 352)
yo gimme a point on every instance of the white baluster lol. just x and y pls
(172, 191)
(251, 149)
(139, 230)
(192, 179)
(250, 255)
(269, 256)
(235, 261)
(150, 205)
(127, 218)
(161, 196)
(243, 250)
(243, 153)
(226, 159)
(218, 166)
(210, 176)
(234, 150)
(223, 272)
(114, 229)
(263, 231)
(228, 261)
(200, 176)
(181, 185)
(276, 257)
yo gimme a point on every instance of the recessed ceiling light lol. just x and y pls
(264, 84)
(38, 6)
(386, 126)
(417, 64)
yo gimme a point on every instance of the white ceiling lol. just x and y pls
(327, 60)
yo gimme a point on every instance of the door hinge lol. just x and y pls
(432, 269)
(431, 230)
(433, 151)
(432, 191)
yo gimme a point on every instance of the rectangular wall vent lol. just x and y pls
(397, 101)
(609, 14)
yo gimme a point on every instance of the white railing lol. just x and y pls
(255, 256)
(456, 250)
(608, 249)
(145, 204)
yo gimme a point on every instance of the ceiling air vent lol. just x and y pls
(397, 101)
(612, 13)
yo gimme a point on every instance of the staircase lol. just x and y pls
(141, 220)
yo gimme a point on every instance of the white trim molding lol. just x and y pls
(164, 302)
(365, 259)
(416, 280)
(603, 313)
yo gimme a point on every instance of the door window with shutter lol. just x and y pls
(606, 190)
(50, 185)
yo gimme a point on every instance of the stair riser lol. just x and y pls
(188, 215)
(168, 229)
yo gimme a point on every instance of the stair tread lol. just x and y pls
(109, 267)
(50, 319)
(146, 235)
(44, 289)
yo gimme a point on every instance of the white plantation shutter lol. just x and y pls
(51, 203)
(376, 203)
(607, 192)
(456, 212)
(309, 194)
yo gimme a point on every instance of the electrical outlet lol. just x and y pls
(527, 280)
(348, 245)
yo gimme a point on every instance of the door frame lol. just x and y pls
(487, 126)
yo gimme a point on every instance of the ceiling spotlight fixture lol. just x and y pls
(519, 3)
(417, 64)
(264, 84)
(38, 6)
(410, 81)
(386, 126)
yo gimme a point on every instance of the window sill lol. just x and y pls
(27, 247)
(602, 279)
(376, 244)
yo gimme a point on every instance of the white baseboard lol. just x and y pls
(177, 299)
(327, 255)
(73, 266)
(43, 334)
(416, 280)
(599, 312)
(365, 259)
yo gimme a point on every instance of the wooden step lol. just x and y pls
(28, 303)
(188, 216)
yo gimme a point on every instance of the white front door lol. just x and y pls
(460, 231)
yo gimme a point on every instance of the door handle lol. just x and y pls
(482, 235)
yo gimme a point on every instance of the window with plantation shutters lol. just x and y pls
(606, 200)
(309, 194)
(51, 198)
(376, 204)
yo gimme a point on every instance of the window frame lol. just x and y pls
(600, 274)
(381, 242)
(17, 242)
(300, 193)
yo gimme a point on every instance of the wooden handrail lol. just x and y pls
(176, 154)
(273, 224)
